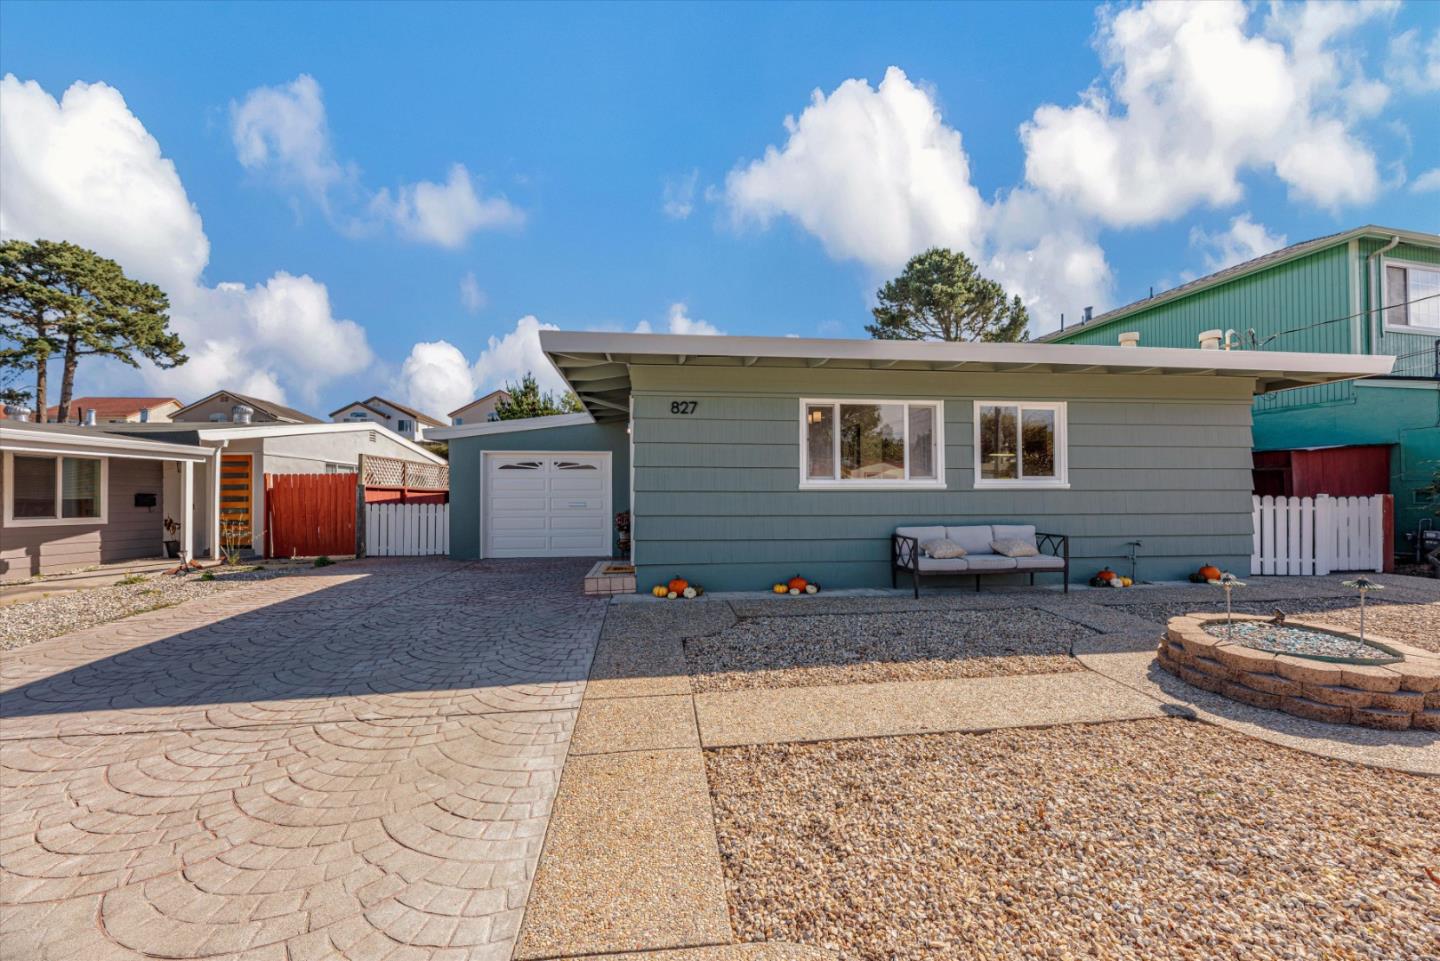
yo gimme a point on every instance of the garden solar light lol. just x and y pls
(1364, 585)
(1228, 582)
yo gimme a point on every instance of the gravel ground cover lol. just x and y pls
(1133, 840)
(26, 622)
(1295, 640)
(1417, 624)
(865, 648)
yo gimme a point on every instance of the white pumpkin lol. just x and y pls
(689, 592)
(671, 595)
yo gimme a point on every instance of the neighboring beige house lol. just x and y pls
(250, 451)
(227, 406)
(73, 497)
(482, 410)
(117, 410)
(405, 421)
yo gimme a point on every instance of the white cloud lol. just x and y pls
(1414, 63)
(1427, 182)
(444, 214)
(875, 174)
(1171, 128)
(472, 298)
(680, 322)
(283, 129)
(437, 377)
(678, 195)
(85, 169)
(1243, 240)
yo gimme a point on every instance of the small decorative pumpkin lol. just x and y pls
(1127, 582)
(678, 584)
(659, 590)
(1210, 572)
(812, 588)
(779, 588)
(797, 583)
(689, 592)
(794, 590)
(1106, 575)
(671, 595)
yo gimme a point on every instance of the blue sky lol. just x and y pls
(363, 197)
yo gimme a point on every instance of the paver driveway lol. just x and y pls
(356, 764)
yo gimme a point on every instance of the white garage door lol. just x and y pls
(547, 505)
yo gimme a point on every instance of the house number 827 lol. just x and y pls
(683, 406)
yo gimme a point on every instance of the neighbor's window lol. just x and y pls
(55, 489)
(1412, 296)
(872, 442)
(405, 426)
(1019, 444)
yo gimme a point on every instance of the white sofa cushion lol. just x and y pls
(922, 534)
(1042, 562)
(946, 565)
(991, 562)
(975, 540)
(1015, 532)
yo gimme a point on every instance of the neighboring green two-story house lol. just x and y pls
(1371, 290)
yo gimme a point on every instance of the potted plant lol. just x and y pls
(622, 529)
(172, 537)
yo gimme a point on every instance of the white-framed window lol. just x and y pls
(1412, 297)
(872, 443)
(43, 490)
(1020, 444)
(405, 426)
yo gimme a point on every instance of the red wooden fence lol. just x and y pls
(307, 515)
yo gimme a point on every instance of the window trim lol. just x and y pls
(1389, 328)
(104, 494)
(1061, 480)
(935, 483)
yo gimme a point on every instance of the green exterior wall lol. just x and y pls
(1334, 282)
(1164, 460)
(465, 453)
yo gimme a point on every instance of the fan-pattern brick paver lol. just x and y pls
(355, 765)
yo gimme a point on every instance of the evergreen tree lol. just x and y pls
(527, 400)
(941, 295)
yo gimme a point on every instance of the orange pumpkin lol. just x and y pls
(1210, 572)
(678, 584)
(797, 583)
(1105, 575)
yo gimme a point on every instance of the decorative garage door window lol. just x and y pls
(1020, 444)
(542, 505)
(872, 443)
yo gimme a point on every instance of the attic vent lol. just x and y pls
(242, 414)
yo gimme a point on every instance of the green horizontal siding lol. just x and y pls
(1164, 460)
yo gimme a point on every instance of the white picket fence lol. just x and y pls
(1302, 535)
(407, 530)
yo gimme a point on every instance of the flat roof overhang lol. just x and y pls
(597, 365)
(38, 440)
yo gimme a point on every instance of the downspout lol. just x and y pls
(1377, 290)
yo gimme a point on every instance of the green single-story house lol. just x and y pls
(1371, 291)
(746, 460)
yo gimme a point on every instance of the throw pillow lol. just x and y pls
(942, 548)
(1014, 548)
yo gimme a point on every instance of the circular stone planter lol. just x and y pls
(1393, 696)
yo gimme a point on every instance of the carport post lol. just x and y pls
(187, 507)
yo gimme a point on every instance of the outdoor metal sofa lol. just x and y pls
(907, 555)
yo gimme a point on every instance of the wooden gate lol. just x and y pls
(236, 518)
(307, 515)
(1301, 535)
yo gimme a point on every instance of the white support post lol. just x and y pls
(187, 510)
(213, 517)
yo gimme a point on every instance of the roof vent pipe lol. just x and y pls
(1131, 338)
(241, 414)
(89, 417)
(1210, 339)
(144, 415)
(1089, 313)
(18, 412)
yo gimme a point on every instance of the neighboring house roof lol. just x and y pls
(478, 400)
(359, 403)
(278, 411)
(67, 439)
(110, 406)
(203, 432)
(1263, 262)
(597, 365)
(418, 415)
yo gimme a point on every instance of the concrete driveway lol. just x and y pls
(356, 763)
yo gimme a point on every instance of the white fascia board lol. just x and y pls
(211, 434)
(509, 426)
(667, 347)
(102, 446)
